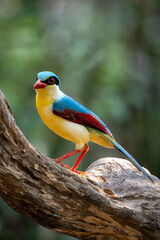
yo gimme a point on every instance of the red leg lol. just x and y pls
(85, 150)
(60, 159)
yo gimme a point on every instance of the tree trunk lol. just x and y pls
(114, 202)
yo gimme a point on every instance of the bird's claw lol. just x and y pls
(79, 172)
(71, 169)
(66, 166)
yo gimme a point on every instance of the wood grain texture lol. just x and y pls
(114, 202)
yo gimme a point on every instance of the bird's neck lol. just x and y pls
(49, 94)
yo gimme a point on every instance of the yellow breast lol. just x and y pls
(71, 131)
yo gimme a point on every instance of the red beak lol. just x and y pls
(39, 84)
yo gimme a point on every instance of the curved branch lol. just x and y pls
(115, 202)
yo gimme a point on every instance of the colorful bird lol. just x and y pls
(72, 121)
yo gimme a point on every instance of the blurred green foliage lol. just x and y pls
(107, 55)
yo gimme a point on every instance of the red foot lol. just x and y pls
(66, 166)
(72, 170)
(79, 172)
(83, 151)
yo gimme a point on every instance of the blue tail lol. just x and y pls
(129, 157)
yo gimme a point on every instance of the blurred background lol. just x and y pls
(107, 55)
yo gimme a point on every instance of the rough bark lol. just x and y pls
(114, 202)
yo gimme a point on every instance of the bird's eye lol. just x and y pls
(51, 80)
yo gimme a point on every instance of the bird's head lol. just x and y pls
(45, 80)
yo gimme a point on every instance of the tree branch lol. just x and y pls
(115, 202)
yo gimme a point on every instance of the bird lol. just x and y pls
(72, 121)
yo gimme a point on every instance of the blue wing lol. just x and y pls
(73, 111)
